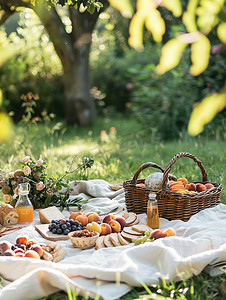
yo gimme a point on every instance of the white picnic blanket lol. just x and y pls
(112, 272)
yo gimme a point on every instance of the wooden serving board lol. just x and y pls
(48, 235)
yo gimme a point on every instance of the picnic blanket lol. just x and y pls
(112, 272)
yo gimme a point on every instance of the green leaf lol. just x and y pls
(170, 55)
(200, 51)
(221, 32)
(174, 6)
(125, 7)
(205, 111)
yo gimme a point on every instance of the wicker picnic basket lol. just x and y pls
(172, 205)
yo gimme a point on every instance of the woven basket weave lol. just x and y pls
(172, 205)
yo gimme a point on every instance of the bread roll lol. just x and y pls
(8, 215)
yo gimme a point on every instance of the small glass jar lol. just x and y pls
(152, 211)
(23, 205)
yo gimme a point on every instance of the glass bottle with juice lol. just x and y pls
(152, 212)
(24, 206)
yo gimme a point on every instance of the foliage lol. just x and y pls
(45, 191)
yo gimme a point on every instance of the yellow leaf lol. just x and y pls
(200, 51)
(170, 55)
(1, 97)
(6, 127)
(174, 6)
(205, 111)
(155, 24)
(221, 32)
(136, 32)
(124, 7)
(189, 17)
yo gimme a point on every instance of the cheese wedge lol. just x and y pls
(46, 215)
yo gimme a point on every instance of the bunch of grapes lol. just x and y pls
(65, 226)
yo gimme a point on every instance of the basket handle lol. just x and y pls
(145, 166)
(174, 159)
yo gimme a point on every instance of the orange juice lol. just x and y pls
(153, 216)
(26, 214)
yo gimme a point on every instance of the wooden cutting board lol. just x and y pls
(44, 231)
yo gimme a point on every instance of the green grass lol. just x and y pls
(117, 161)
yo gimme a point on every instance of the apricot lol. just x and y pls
(170, 232)
(209, 186)
(31, 242)
(19, 254)
(105, 229)
(115, 226)
(93, 217)
(82, 219)
(157, 234)
(183, 180)
(32, 254)
(22, 239)
(37, 248)
(73, 215)
(200, 187)
(19, 250)
(94, 226)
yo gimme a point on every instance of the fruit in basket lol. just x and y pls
(200, 187)
(37, 248)
(115, 226)
(142, 185)
(190, 187)
(157, 234)
(183, 180)
(94, 226)
(107, 219)
(93, 217)
(209, 186)
(5, 245)
(82, 219)
(105, 229)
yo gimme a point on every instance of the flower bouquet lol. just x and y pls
(45, 191)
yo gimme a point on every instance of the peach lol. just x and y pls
(82, 219)
(19, 254)
(31, 242)
(190, 187)
(209, 186)
(170, 232)
(94, 226)
(115, 226)
(22, 239)
(9, 252)
(121, 221)
(73, 215)
(37, 248)
(32, 254)
(157, 233)
(108, 218)
(5, 245)
(200, 187)
(93, 217)
(105, 229)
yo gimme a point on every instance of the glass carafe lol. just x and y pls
(23, 205)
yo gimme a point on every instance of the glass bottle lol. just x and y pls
(152, 212)
(23, 205)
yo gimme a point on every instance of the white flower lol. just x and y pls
(40, 186)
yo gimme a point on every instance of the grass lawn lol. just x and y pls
(117, 159)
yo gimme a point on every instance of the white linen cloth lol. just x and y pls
(111, 272)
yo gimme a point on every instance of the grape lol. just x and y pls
(59, 230)
(53, 221)
(71, 222)
(63, 226)
(54, 230)
(66, 231)
(73, 227)
(57, 226)
(76, 222)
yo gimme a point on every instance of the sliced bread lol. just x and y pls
(100, 242)
(107, 242)
(122, 240)
(141, 228)
(114, 239)
(130, 230)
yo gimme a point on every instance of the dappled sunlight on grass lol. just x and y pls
(71, 150)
